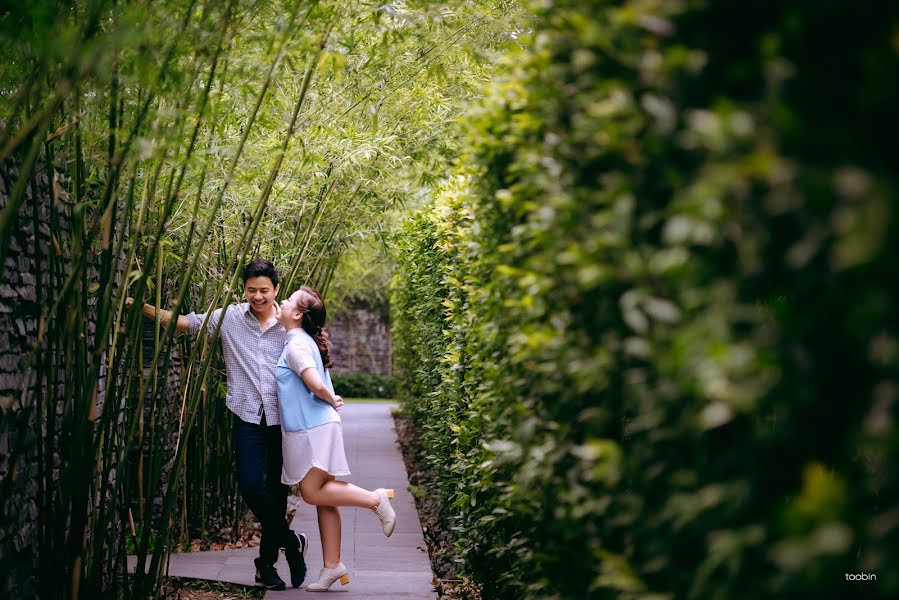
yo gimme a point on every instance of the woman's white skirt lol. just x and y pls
(320, 447)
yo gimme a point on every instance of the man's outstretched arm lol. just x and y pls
(165, 316)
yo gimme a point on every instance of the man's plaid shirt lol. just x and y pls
(250, 358)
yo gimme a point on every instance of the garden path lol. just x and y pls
(379, 567)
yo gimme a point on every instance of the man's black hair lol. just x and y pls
(261, 268)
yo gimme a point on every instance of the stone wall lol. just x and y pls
(35, 258)
(29, 248)
(361, 340)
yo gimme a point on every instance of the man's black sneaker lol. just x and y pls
(295, 552)
(268, 576)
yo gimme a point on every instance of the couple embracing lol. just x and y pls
(287, 429)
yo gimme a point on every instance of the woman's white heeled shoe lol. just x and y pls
(327, 577)
(385, 512)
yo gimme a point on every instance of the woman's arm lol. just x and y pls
(314, 382)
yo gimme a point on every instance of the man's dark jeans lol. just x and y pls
(257, 451)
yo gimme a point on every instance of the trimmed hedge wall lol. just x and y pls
(649, 332)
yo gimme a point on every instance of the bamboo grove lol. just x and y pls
(155, 147)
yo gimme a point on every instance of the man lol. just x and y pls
(252, 341)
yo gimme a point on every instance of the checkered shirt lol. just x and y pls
(250, 358)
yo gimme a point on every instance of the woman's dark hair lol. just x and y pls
(260, 268)
(312, 306)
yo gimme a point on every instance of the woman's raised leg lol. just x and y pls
(321, 489)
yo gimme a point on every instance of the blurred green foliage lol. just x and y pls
(648, 331)
(364, 385)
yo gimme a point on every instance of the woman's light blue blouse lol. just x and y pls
(300, 408)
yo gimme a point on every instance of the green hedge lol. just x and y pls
(364, 385)
(649, 332)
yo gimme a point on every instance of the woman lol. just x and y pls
(311, 431)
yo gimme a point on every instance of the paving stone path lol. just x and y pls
(379, 567)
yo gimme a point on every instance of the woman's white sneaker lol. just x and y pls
(385, 512)
(327, 577)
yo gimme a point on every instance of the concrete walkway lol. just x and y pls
(379, 567)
